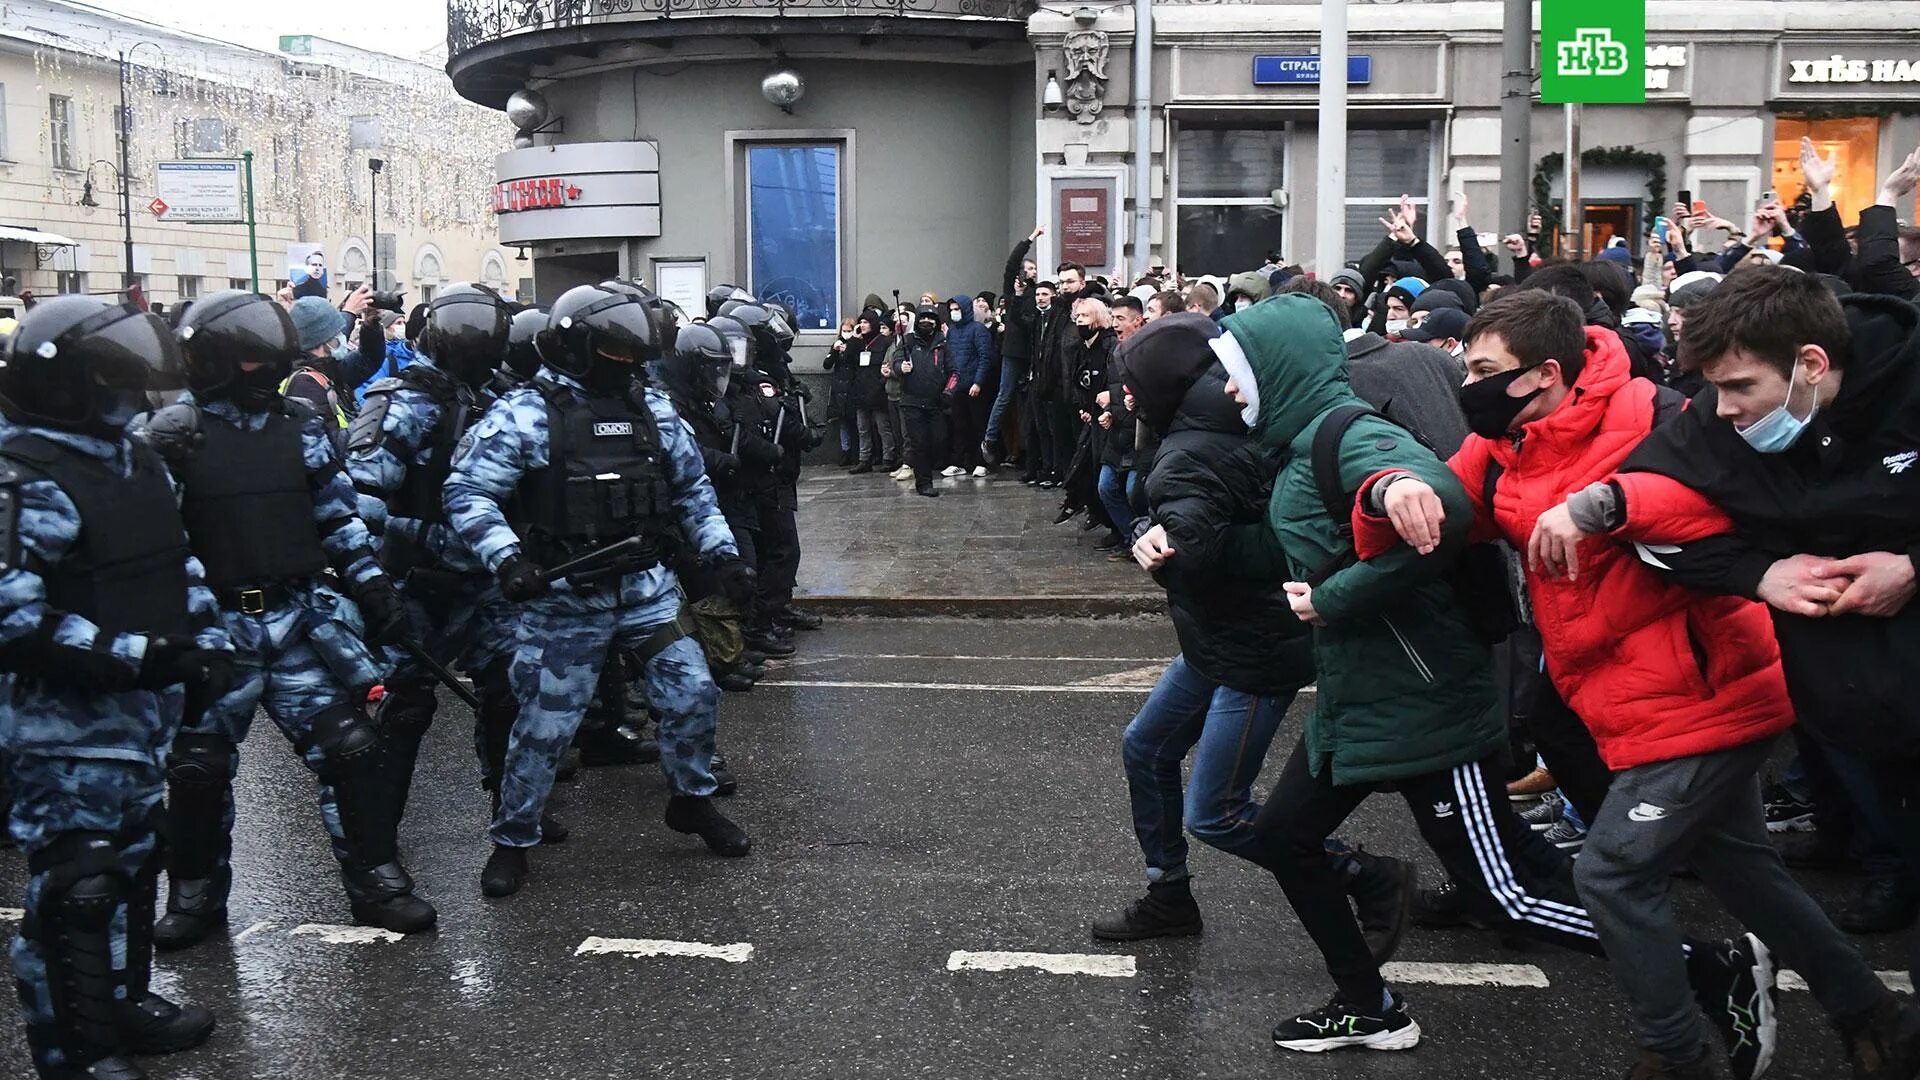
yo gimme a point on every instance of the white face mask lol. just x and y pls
(1396, 326)
(1459, 348)
(1242, 304)
(953, 316)
(1227, 348)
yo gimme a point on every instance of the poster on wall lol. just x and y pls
(1083, 226)
(306, 269)
(683, 281)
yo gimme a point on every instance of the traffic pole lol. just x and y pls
(253, 239)
(1330, 222)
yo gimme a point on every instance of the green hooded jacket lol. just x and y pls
(1405, 686)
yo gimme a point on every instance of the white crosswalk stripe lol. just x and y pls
(737, 953)
(1100, 964)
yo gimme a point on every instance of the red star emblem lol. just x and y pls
(573, 192)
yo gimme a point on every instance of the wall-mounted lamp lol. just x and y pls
(783, 87)
(527, 111)
(1052, 97)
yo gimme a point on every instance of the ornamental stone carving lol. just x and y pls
(1086, 52)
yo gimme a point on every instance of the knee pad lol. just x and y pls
(200, 760)
(342, 735)
(84, 883)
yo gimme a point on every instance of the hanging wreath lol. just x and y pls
(1655, 164)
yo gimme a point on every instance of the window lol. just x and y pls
(426, 293)
(385, 247)
(524, 292)
(243, 284)
(205, 136)
(1852, 140)
(793, 230)
(1382, 165)
(188, 287)
(1224, 197)
(71, 281)
(60, 130)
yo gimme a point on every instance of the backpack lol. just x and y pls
(1481, 584)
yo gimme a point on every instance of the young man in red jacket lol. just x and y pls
(1682, 690)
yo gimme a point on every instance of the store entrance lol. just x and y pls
(1853, 142)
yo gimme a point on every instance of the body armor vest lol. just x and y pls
(249, 504)
(419, 495)
(128, 572)
(605, 481)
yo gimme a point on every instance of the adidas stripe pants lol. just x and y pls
(1508, 873)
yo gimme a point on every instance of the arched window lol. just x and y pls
(354, 265)
(493, 270)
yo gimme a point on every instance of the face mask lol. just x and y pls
(925, 329)
(848, 336)
(953, 316)
(1490, 412)
(257, 390)
(1088, 333)
(1396, 327)
(608, 377)
(1777, 431)
(1234, 359)
(1242, 304)
(1458, 349)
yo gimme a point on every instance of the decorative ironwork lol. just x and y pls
(477, 22)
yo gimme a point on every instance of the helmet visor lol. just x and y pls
(128, 349)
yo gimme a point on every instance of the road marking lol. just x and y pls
(1144, 677)
(738, 953)
(346, 935)
(1049, 659)
(12, 914)
(1897, 981)
(252, 930)
(1465, 974)
(1101, 964)
(994, 688)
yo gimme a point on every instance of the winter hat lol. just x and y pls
(1251, 284)
(1163, 359)
(1469, 300)
(1446, 322)
(1687, 294)
(1405, 268)
(1637, 316)
(1651, 297)
(1351, 277)
(1693, 277)
(1437, 297)
(1408, 289)
(316, 322)
(1618, 254)
(1645, 326)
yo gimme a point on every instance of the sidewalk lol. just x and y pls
(985, 547)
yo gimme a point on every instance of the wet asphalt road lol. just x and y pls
(894, 825)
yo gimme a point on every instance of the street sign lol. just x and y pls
(202, 191)
(1292, 70)
(1593, 52)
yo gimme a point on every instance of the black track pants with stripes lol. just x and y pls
(1508, 873)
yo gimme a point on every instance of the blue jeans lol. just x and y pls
(1010, 372)
(1228, 733)
(1116, 494)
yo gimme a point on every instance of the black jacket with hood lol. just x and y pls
(924, 387)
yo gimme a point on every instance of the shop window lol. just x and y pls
(1853, 141)
(1382, 165)
(793, 230)
(1228, 222)
(71, 281)
(243, 284)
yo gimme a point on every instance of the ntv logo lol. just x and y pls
(1592, 52)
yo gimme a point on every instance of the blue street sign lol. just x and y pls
(1287, 70)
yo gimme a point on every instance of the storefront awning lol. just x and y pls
(19, 235)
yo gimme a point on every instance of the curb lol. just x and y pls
(986, 607)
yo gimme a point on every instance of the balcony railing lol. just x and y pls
(477, 22)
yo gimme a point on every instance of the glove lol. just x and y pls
(385, 612)
(173, 661)
(520, 580)
(737, 582)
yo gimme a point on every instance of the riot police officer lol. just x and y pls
(269, 511)
(753, 417)
(522, 360)
(103, 617)
(398, 454)
(779, 540)
(587, 464)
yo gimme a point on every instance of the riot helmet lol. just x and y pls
(467, 332)
(230, 329)
(600, 337)
(739, 341)
(761, 324)
(701, 357)
(522, 359)
(782, 322)
(721, 294)
(83, 364)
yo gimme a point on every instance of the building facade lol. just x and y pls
(312, 115)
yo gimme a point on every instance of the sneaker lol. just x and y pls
(1653, 1066)
(1566, 836)
(1531, 786)
(861, 469)
(953, 470)
(902, 473)
(1787, 812)
(1444, 908)
(1546, 815)
(1733, 981)
(1168, 910)
(979, 472)
(1886, 1042)
(1884, 905)
(1337, 1025)
(989, 453)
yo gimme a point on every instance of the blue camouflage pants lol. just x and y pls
(297, 661)
(554, 672)
(53, 796)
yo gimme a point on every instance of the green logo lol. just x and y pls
(1593, 51)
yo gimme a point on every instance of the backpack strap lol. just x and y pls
(1667, 404)
(1334, 496)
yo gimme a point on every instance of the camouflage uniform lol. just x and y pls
(395, 450)
(563, 638)
(81, 761)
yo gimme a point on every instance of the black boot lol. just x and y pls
(723, 779)
(925, 487)
(1884, 1044)
(733, 682)
(73, 927)
(762, 640)
(750, 657)
(42, 1041)
(695, 814)
(149, 1023)
(1168, 910)
(505, 872)
(569, 768)
(1383, 890)
(863, 467)
(383, 896)
(379, 890)
(199, 768)
(794, 618)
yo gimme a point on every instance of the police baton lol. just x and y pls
(592, 560)
(441, 673)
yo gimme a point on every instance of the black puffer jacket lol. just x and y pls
(1210, 474)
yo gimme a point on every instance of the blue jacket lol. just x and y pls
(969, 347)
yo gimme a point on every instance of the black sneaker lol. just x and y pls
(1168, 910)
(1885, 1044)
(1883, 905)
(1444, 908)
(1546, 813)
(1383, 893)
(1337, 1025)
(1787, 812)
(1733, 981)
(505, 872)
